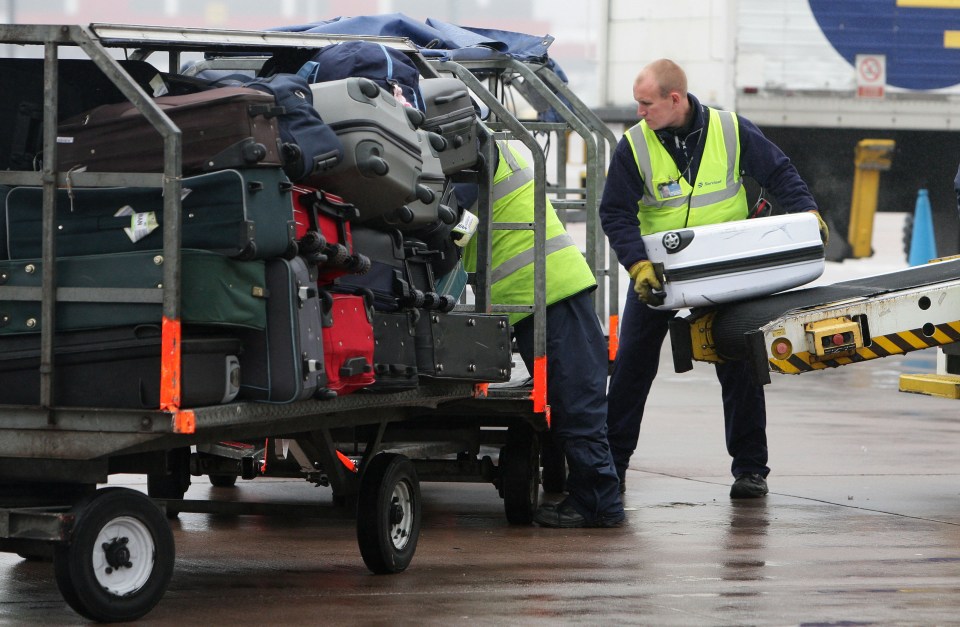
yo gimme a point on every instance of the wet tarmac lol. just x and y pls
(862, 526)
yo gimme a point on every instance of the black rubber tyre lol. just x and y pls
(520, 476)
(388, 513)
(120, 559)
(223, 481)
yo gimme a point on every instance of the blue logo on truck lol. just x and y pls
(920, 38)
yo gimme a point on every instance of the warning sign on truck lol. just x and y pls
(871, 75)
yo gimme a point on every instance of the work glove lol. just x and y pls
(645, 281)
(824, 231)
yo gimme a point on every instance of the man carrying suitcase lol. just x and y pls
(576, 347)
(681, 166)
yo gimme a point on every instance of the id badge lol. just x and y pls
(669, 189)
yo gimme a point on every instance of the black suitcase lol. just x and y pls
(394, 350)
(382, 158)
(246, 214)
(81, 86)
(226, 127)
(119, 367)
(450, 113)
(285, 362)
(214, 290)
(467, 346)
(400, 273)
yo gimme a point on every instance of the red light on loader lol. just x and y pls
(781, 348)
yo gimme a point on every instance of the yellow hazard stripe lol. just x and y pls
(929, 4)
(880, 346)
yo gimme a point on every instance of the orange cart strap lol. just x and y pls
(170, 365)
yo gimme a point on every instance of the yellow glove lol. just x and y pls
(645, 280)
(824, 231)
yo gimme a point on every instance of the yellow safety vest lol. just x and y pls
(668, 201)
(512, 250)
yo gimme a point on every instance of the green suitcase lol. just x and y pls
(215, 290)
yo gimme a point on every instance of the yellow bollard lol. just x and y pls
(872, 156)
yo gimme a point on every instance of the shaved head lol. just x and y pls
(667, 75)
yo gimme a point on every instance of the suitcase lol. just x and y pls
(347, 342)
(450, 113)
(464, 346)
(285, 362)
(418, 214)
(400, 273)
(226, 127)
(394, 350)
(323, 233)
(240, 213)
(382, 158)
(721, 263)
(81, 86)
(119, 367)
(215, 290)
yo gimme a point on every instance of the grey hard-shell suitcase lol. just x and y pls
(418, 213)
(246, 214)
(450, 113)
(119, 367)
(215, 290)
(382, 160)
(285, 363)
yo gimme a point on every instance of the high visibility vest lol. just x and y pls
(669, 201)
(511, 282)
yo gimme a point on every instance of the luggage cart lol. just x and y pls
(112, 549)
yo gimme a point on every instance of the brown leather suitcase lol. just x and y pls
(222, 128)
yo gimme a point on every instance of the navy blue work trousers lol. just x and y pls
(577, 394)
(642, 332)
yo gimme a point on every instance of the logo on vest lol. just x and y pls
(702, 184)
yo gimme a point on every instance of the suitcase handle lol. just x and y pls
(448, 98)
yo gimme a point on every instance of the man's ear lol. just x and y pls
(675, 97)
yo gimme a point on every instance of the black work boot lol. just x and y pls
(749, 485)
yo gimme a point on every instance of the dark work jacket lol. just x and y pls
(760, 159)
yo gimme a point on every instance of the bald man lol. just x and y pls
(682, 166)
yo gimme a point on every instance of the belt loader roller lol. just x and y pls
(827, 326)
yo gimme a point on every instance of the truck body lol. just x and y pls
(816, 76)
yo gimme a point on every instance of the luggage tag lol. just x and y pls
(463, 232)
(669, 189)
(141, 224)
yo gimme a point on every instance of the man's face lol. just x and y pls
(659, 112)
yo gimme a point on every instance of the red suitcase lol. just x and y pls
(227, 127)
(347, 342)
(323, 233)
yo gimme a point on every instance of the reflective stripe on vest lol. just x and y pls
(512, 263)
(726, 203)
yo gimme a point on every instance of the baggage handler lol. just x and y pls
(576, 347)
(680, 166)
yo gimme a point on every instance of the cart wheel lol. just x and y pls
(520, 476)
(173, 484)
(223, 481)
(120, 558)
(388, 513)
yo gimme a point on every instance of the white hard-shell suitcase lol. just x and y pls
(721, 263)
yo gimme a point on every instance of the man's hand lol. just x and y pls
(644, 280)
(824, 231)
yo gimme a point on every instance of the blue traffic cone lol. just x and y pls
(923, 245)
